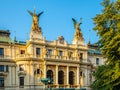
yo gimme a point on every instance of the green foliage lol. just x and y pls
(107, 24)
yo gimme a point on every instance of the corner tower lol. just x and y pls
(36, 32)
(78, 37)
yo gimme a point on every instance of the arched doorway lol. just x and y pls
(71, 77)
(50, 75)
(60, 77)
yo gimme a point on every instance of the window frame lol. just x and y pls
(97, 61)
(38, 51)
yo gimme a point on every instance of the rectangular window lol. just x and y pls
(22, 51)
(37, 51)
(1, 82)
(70, 54)
(1, 68)
(49, 52)
(81, 73)
(60, 53)
(1, 52)
(21, 81)
(7, 68)
(81, 56)
(97, 61)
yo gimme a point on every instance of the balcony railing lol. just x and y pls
(51, 57)
(23, 56)
(6, 58)
(59, 57)
(27, 56)
(21, 73)
(3, 73)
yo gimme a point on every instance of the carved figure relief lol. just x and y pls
(61, 39)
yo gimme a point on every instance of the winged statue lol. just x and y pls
(35, 22)
(76, 25)
(78, 33)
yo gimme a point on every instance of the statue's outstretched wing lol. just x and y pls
(80, 21)
(40, 14)
(74, 21)
(30, 12)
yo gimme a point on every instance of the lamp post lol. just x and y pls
(45, 81)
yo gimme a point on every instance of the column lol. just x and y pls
(13, 75)
(10, 76)
(67, 75)
(17, 77)
(27, 77)
(31, 74)
(86, 78)
(10, 52)
(44, 71)
(56, 82)
(78, 76)
(14, 52)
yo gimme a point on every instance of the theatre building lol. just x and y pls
(27, 64)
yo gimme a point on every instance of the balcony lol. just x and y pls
(60, 57)
(3, 74)
(53, 57)
(21, 73)
(6, 58)
(23, 56)
(20, 57)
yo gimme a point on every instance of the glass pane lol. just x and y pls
(71, 77)
(49, 52)
(50, 75)
(1, 82)
(60, 53)
(1, 52)
(21, 81)
(61, 77)
(37, 51)
(7, 68)
(97, 61)
(2, 68)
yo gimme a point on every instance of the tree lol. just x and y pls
(107, 25)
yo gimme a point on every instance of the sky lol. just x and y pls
(55, 21)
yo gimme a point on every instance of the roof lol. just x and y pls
(97, 52)
(5, 39)
(20, 42)
(5, 31)
(4, 36)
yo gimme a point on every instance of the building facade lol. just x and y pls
(26, 64)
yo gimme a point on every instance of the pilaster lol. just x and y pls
(56, 82)
(67, 75)
(78, 74)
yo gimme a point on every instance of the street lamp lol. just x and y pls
(45, 81)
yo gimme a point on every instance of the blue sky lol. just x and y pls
(55, 21)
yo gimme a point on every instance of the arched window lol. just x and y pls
(61, 77)
(50, 75)
(71, 77)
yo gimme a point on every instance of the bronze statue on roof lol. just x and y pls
(78, 33)
(35, 22)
